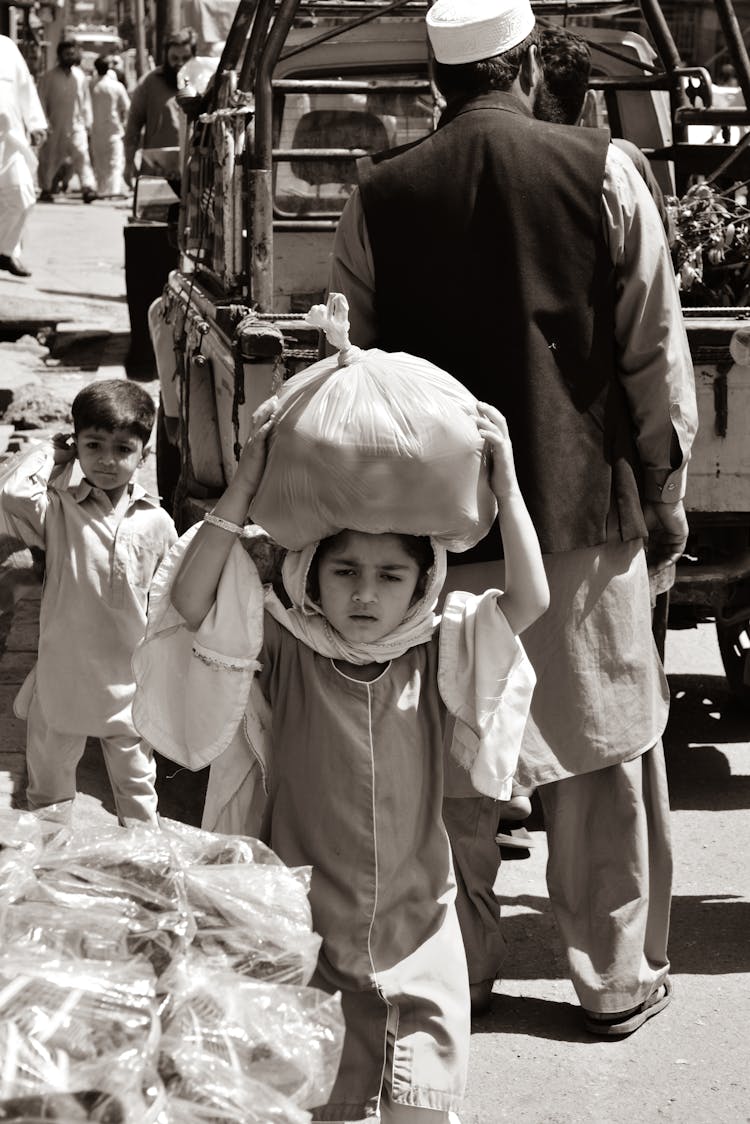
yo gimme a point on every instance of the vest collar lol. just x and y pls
(493, 99)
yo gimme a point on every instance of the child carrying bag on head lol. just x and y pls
(325, 723)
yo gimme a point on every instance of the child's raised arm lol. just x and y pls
(526, 594)
(194, 589)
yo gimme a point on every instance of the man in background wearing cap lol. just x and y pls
(537, 273)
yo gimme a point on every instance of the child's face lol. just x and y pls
(367, 585)
(108, 458)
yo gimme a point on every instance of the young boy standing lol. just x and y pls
(103, 540)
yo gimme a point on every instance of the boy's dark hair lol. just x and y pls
(470, 79)
(417, 547)
(114, 404)
(566, 62)
(103, 64)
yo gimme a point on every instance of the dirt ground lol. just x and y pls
(531, 1060)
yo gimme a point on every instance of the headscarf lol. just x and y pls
(306, 622)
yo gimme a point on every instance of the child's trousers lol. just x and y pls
(52, 760)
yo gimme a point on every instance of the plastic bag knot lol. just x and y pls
(333, 320)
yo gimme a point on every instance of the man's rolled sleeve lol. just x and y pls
(654, 361)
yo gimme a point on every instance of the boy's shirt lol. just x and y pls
(98, 570)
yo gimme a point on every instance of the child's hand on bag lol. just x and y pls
(253, 458)
(494, 429)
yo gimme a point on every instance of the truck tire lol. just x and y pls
(167, 464)
(734, 646)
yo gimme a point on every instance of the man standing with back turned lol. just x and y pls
(538, 274)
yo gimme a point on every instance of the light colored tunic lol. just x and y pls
(369, 821)
(98, 569)
(600, 695)
(65, 99)
(21, 113)
(353, 786)
(109, 104)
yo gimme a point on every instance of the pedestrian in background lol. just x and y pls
(22, 127)
(109, 105)
(154, 117)
(103, 540)
(565, 99)
(64, 93)
(547, 237)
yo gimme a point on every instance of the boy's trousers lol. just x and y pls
(609, 877)
(52, 760)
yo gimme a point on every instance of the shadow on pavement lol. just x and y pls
(708, 937)
(703, 716)
(540, 1018)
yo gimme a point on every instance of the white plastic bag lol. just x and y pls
(375, 442)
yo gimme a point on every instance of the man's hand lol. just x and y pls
(668, 531)
(38, 137)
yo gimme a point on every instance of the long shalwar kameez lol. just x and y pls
(354, 777)
(368, 819)
(21, 113)
(109, 106)
(601, 703)
(65, 98)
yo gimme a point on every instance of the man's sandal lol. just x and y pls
(514, 835)
(613, 1026)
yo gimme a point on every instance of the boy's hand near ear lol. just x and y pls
(64, 445)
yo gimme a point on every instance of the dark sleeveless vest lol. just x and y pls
(490, 261)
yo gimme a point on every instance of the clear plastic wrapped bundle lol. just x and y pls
(375, 442)
(22, 832)
(108, 991)
(287, 1037)
(220, 1094)
(90, 928)
(195, 847)
(135, 871)
(254, 920)
(72, 1026)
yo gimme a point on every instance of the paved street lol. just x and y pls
(531, 1062)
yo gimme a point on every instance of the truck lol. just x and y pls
(302, 90)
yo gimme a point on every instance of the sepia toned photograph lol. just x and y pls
(374, 561)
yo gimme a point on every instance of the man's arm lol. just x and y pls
(84, 94)
(34, 119)
(654, 361)
(123, 104)
(353, 273)
(135, 125)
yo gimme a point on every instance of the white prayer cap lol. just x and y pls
(468, 30)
